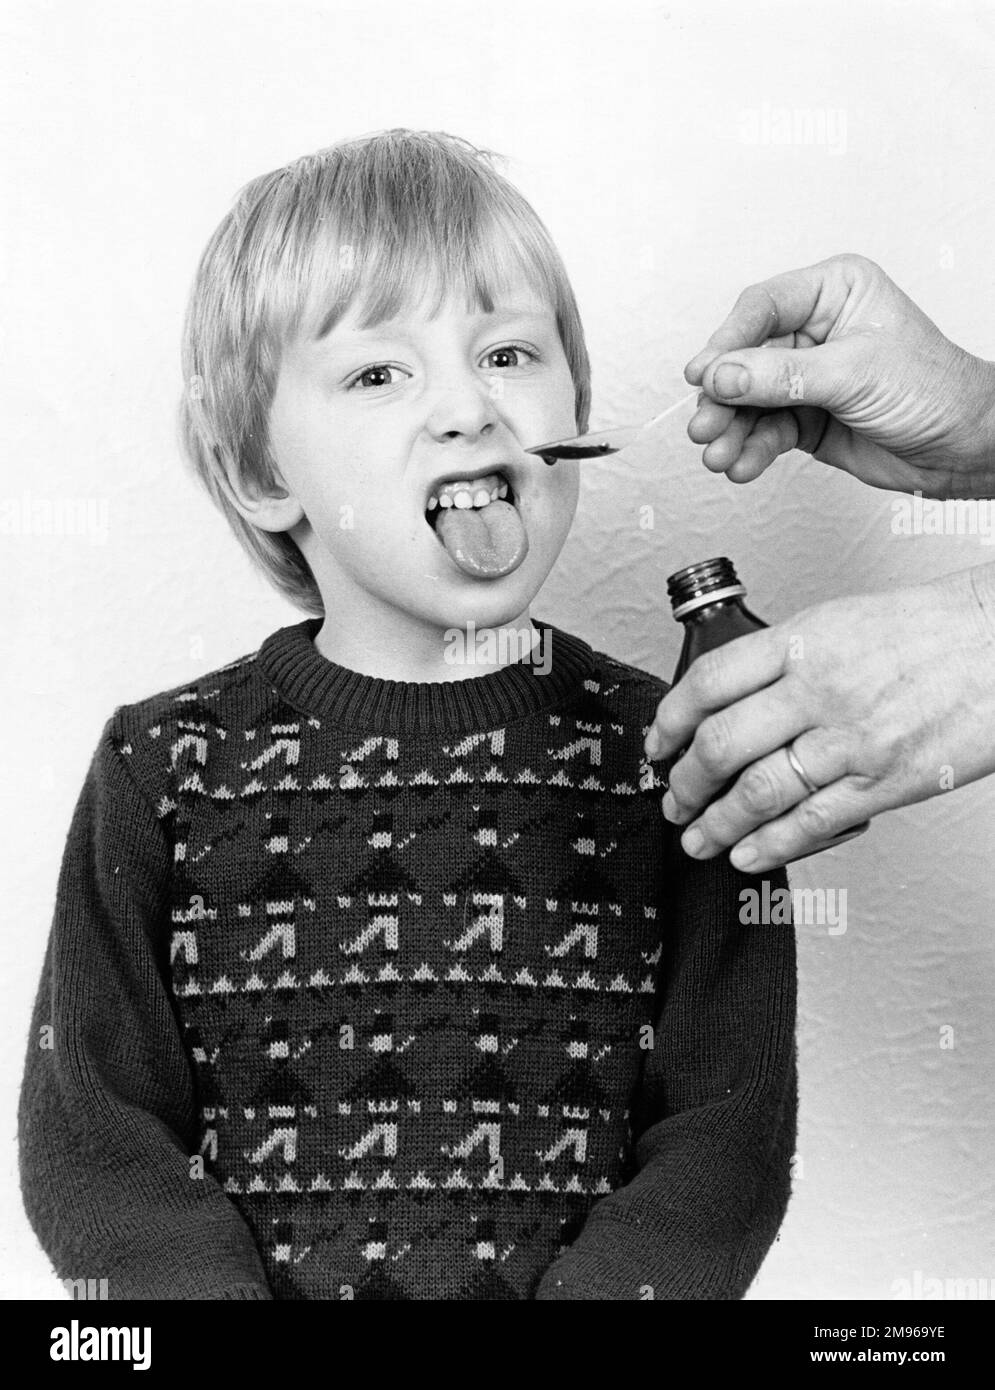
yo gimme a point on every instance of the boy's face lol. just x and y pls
(365, 425)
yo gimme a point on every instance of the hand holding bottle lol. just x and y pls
(862, 704)
(837, 361)
(884, 700)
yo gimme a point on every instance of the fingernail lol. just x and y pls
(669, 806)
(731, 379)
(652, 744)
(743, 856)
(693, 842)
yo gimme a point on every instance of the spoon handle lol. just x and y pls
(601, 443)
(692, 395)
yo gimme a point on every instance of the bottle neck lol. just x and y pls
(693, 605)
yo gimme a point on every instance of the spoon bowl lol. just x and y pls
(598, 444)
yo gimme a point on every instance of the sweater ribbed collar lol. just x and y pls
(348, 699)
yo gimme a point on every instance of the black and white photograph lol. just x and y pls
(498, 534)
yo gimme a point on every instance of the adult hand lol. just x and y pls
(840, 363)
(886, 699)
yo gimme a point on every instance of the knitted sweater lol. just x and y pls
(395, 990)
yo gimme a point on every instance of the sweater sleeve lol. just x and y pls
(715, 1112)
(107, 1122)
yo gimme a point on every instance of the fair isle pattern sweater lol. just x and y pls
(359, 988)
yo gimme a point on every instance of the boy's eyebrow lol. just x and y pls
(399, 330)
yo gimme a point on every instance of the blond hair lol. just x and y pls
(375, 218)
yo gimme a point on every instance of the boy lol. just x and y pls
(376, 971)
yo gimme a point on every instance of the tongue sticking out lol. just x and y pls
(485, 542)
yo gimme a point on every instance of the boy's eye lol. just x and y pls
(381, 369)
(372, 377)
(512, 349)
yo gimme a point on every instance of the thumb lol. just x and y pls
(775, 377)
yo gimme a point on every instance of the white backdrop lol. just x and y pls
(677, 152)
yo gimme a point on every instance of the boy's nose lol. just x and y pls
(469, 409)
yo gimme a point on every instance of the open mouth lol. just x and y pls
(434, 513)
(478, 524)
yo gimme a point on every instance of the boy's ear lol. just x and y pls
(277, 510)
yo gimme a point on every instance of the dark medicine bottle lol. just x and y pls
(708, 599)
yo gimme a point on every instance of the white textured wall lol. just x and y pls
(127, 129)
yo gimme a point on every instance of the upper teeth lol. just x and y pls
(464, 493)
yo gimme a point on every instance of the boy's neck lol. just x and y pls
(405, 650)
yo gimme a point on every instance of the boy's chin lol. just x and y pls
(455, 600)
(493, 607)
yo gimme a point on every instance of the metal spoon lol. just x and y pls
(601, 443)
